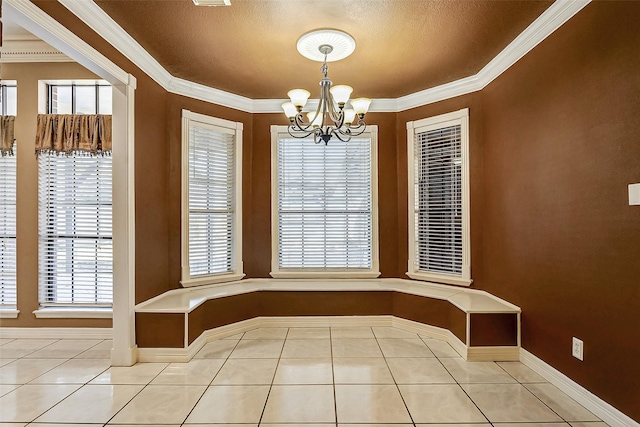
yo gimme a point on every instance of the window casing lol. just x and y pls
(211, 200)
(324, 207)
(75, 224)
(439, 241)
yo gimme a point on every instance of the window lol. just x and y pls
(8, 301)
(324, 206)
(8, 97)
(211, 200)
(438, 153)
(8, 231)
(75, 228)
(75, 212)
(79, 98)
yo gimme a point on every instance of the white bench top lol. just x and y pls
(187, 299)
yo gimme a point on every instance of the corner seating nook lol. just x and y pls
(176, 324)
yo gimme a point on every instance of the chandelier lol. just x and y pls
(330, 118)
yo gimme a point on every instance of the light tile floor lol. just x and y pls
(277, 377)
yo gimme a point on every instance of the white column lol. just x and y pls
(124, 352)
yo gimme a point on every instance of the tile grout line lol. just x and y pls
(333, 379)
(212, 379)
(536, 396)
(273, 378)
(462, 388)
(394, 378)
(66, 397)
(135, 395)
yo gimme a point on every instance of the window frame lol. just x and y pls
(4, 84)
(68, 310)
(74, 84)
(236, 241)
(460, 117)
(371, 132)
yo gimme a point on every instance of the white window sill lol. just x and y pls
(440, 278)
(9, 313)
(299, 274)
(74, 313)
(210, 280)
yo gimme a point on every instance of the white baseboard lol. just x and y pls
(593, 403)
(493, 353)
(58, 333)
(186, 354)
(432, 332)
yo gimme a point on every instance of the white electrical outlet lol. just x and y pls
(634, 194)
(577, 349)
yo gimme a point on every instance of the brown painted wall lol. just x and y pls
(561, 144)
(27, 76)
(431, 311)
(489, 329)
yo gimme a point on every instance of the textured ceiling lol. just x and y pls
(249, 48)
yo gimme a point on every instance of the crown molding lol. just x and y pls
(549, 21)
(209, 94)
(108, 29)
(37, 22)
(438, 93)
(30, 51)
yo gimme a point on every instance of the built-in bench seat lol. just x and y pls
(175, 325)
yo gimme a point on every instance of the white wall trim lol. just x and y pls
(9, 313)
(73, 313)
(92, 15)
(36, 21)
(58, 333)
(549, 21)
(19, 51)
(593, 403)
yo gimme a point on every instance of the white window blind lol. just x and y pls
(75, 230)
(438, 200)
(325, 205)
(8, 231)
(211, 199)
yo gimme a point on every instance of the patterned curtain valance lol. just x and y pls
(74, 134)
(7, 135)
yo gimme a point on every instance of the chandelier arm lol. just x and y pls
(300, 125)
(295, 133)
(340, 134)
(335, 115)
(358, 130)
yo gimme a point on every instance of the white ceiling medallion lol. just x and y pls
(342, 43)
